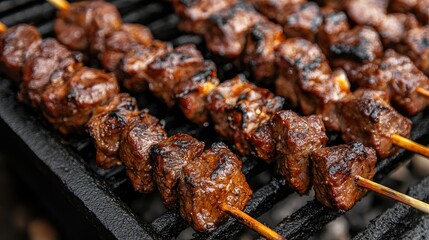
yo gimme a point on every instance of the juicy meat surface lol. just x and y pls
(212, 179)
(191, 94)
(16, 45)
(137, 140)
(49, 63)
(368, 118)
(334, 172)
(301, 20)
(195, 13)
(84, 25)
(366, 12)
(169, 158)
(69, 105)
(121, 41)
(226, 30)
(263, 143)
(172, 68)
(297, 137)
(106, 128)
(262, 43)
(415, 44)
(333, 24)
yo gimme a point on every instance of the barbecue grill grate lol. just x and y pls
(105, 196)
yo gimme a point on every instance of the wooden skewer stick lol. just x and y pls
(423, 92)
(390, 193)
(2, 27)
(251, 222)
(410, 145)
(60, 4)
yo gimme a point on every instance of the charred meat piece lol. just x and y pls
(415, 44)
(69, 105)
(274, 9)
(168, 70)
(366, 12)
(84, 25)
(402, 6)
(263, 143)
(393, 27)
(422, 11)
(226, 30)
(134, 65)
(301, 20)
(195, 13)
(252, 109)
(361, 44)
(368, 118)
(137, 140)
(262, 42)
(106, 128)
(333, 24)
(334, 172)
(169, 158)
(212, 179)
(50, 62)
(297, 137)
(121, 41)
(17, 44)
(223, 99)
(191, 94)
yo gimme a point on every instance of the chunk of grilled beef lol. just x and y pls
(191, 94)
(49, 63)
(84, 25)
(262, 43)
(402, 6)
(367, 117)
(253, 108)
(106, 126)
(415, 44)
(134, 65)
(333, 24)
(212, 179)
(307, 80)
(17, 44)
(69, 104)
(169, 158)
(361, 44)
(263, 143)
(301, 20)
(335, 170)
(297, 137)
(274, 9)
(422, 11)
(223, 99)
(137, 139)
(121, 41)
(168, 70)
(226, 30)
(366, 12)
(195, 13)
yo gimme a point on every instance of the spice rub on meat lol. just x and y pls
(169, 158)
(334, 172)
(212, 179)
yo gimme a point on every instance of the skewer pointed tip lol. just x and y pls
(60, 4)
(251, 223)
(390, 193)
(410, 145)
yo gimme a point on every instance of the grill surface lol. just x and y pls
(105, 198)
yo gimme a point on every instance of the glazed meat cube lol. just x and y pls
(84, 25)
(422, 11)
(274, 9)
(392, 28)
(226, 30)
(301, 20)
(169, 158)
(360, 44)
(366, 12)
(333, 24)
(262, 42)
(252, 109)
(17, 44)
(212, 179)
(166, 71)
(415, 44)
(195, 13)
(368, 118)
(297, 137)
(50, 62)
(121, 41)
(334, 172)
(134, 65)
(69, 105)
(191, 94)
(263, 143)
(223, 99)
(106, 128)
(137, 140)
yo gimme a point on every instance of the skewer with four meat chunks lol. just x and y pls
(208, 184)
(239, 91)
